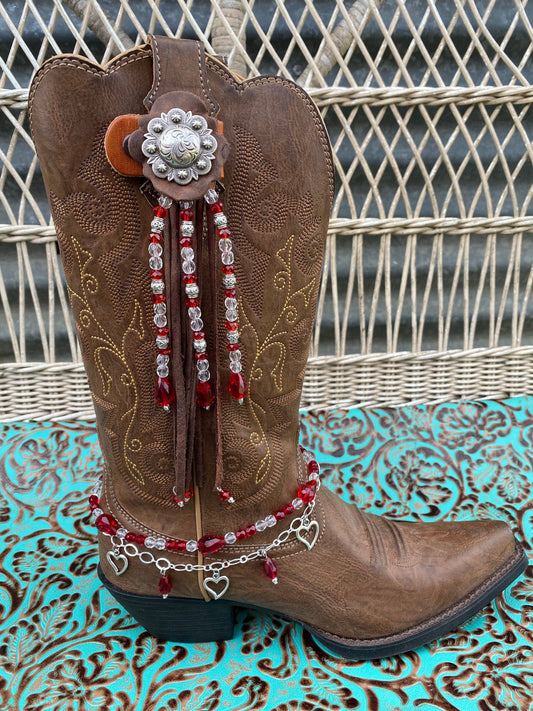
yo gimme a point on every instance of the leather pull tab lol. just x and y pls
(179, 63)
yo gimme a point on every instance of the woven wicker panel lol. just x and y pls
(427, 284)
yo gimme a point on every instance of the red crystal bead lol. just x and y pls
(164, 351)
(251, 530)
(164, 392)
(231, 325)
(223, 233)
(288, 509)
(156, 274)
(189, 494)
(307, 491)
(192, 302)
(228, 269)
(94, 501)
(229, 293)
(181, 545)
(241, 534)
(204, 395)
(198, 335)
(160, 211)
(186, 215)
(232, 346)
(163, 331)
(155, 236)
(210, 544)
(165, 585)
(216, 207)
(190, 278)
(185, 242)
(140, 539)
(131, 537)
(201, 356)
(270, 569)
(237, 387)
(224, 495)
(279, 515)
(313, 467)
(107, 524)
(158, 298)
(170, 545)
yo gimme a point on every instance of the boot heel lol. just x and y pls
(177, 619)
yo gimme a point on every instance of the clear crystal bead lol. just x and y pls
(194, 312)
(191, 546)
(202, 365)
(162, 371)
(186, 204)
(230, 303)
(270, 520)
(162, 359)
(160, 544)
(160, 320)
(314, 476)
(235, 366)
(297, 503)
(220, 220)
(157, 224)
(211, 196)
(97, 512)
(192, 290)
(187, 229)
(224, 245)
(199, 345)
(204, 375)
(232, 336)
(235, 356)
(155, 249)
(231, 315)
(306, 454)
(227, 257)
(165, 201)
(230, 538)
(187, 254)
(260, 525)
(188, 267)
(160, 308)
(161, 342)
(150, 542)
(158, 286)
(197, 324)
(155, 263)
(121, 533)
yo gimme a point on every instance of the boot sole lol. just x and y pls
(188, 620)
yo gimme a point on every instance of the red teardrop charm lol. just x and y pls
(210, 544)
(237, 387)
(165, 585)
(204, 395)
(270, 570)
(107, 524)
(307, 491)
(164, 392)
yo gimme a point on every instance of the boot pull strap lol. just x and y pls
(179, 64)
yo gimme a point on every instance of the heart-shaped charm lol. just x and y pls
(210, 585)
(302, 533)
(117, 561)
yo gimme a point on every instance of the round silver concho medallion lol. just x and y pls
(179, 146)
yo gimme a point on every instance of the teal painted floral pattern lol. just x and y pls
(65, 645)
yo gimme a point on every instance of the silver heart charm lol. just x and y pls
(304, 529)
(210, 583)
(117, 561)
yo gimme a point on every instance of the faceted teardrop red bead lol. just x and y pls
(307, 491)
(107, 524)
(270, 569)
(165, 585)
(210, 544)
(237, 387)
(313, 467)
(205, 396)
(164, 392)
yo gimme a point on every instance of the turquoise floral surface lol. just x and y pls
(65, 645)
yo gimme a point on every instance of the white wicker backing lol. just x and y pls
(428, 276)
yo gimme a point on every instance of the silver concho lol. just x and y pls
(179, 146)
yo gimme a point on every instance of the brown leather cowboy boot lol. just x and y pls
(191, 211)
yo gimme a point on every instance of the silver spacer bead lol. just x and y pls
(220, 220)
(229, 281)
(192, 290)
(157, 224)
(158, 286)
(187, 229)
(232, 336)
(200, 345)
